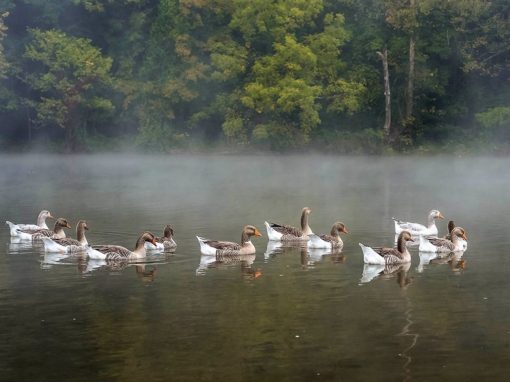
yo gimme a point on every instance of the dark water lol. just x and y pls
(284, 315)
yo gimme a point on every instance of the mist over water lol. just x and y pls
(286, 314)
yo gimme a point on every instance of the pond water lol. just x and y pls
(282, 315)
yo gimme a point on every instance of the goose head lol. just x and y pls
(306, 211)
(147, 236)
(435, 214)
(459, 232)
(82, 225)
(451, 226)
(338, 228)
(168, 231)
(405, 236)
(44, 214)
(61, 223)
(250, 230)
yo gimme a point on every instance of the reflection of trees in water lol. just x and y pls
(406, 332)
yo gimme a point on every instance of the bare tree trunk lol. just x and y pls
(387, 94)
(410, 79)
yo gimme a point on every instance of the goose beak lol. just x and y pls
(50, 216)
(153, 242)
(411, 239)
(86, 228)
(464, 236)
(440, 216)
(257, 233)
(68, 225)
(344, 230)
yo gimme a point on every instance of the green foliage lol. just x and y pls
(275, 74)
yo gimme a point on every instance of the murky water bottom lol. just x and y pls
(284, 314)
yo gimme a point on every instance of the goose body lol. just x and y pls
(228, 248)
(164, 243)
(57, 232)
(331, 241)
(280, 232)
(419, 229)
(41, 224)
(119, 253)
(385, 256)
(67, 244)
(434, 244)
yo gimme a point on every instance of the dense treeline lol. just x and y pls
(340, 76)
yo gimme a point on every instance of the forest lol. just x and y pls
(335, 76)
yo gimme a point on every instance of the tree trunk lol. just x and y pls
(387, 94)
(410, 79)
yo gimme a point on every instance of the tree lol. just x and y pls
(67, 74)
(3, 31)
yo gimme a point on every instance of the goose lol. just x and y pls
(332, 240)
(41, 223)
(164, 243)
(432, 244)
(118, 253)
(228, 248)
(56, 233)
(384, 256)
(419, 229)
(451, 226)
(278, 232)
(68, 245)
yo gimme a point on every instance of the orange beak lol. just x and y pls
(153, 241)
(68, 226)
(344, 230)
(464, 236)
(257, 233)
(258, 274)
(411, 239)
(51, 217)
(440, 216)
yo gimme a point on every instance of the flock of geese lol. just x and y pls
(426, 236)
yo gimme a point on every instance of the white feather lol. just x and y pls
(370, 256)
(316, 242)
(52, 246)
(204, 248)
(273, 234)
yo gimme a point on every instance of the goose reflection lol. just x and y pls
(17, 245)
(454, 259)
(372, 271)
(146, 272)
(312, 256)
(275, 248)
(245, 263)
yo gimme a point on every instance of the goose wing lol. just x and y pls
(67, 241)
(442, 243)
(113, 252)
(328, 238)
(223, 245)
(387, 252)
(286, 229)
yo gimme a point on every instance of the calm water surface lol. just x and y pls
(284, 314)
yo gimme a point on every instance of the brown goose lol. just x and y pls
(56, 233)
(164, 243)
(116, 252)
(228, 248)
(41, 223)
(68, 244)
(431, 244)
(332, 240)
(383, 256)
(279, 232)
(451, 226)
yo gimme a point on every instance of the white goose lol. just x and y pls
(279, 232)
(432, 244)
(329, 241)
(41, 223)
(419, 229)
(384, 256)
(68, 245)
